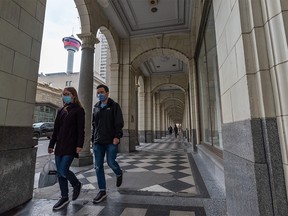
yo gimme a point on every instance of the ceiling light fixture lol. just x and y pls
(153, 2)
(154, 9)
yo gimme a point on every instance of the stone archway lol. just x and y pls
(155, 115)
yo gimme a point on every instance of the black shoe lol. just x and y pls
(100, 197)
(76, 191)
(61, 203)
(119, 179)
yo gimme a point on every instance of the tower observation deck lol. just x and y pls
(72, 45)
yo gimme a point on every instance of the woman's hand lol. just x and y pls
(78, 150)
(50, 150)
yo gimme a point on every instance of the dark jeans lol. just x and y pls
(64, 174)
(111, 151)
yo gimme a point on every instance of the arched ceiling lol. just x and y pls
(163, 64)
(139, 18)
(134, 18)
(172, 100)
(166, 87)
(145, 18)
(161, 61)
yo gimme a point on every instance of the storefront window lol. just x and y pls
(209, 87)
(44, 113)
(204, 99)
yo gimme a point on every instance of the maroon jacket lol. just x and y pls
(68, 130)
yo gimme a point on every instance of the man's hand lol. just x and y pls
(116, 141)
(50, 150)
(78, 150)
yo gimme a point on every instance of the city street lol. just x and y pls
(42, 146)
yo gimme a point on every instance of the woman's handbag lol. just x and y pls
(48, 175)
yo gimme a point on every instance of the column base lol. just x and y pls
(158, 134)
(82, 161)
(141, 136)
(194, 139)
(149, 137)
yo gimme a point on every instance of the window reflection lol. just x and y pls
(209, 87)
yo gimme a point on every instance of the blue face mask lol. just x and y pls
(67, 99)
(102, 97)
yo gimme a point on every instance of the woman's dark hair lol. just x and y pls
(103, 86)
(73, 91)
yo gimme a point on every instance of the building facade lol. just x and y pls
(62, 80)
(102, 55)
(48, 100)
(219, 69)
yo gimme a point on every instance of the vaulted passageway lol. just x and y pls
(216, 69)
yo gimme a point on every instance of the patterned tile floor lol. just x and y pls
(167, 158)
(159, 180)
(44, 207)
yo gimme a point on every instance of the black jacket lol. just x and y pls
(107, 122)
(68, 130)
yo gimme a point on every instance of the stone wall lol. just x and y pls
(21, 27)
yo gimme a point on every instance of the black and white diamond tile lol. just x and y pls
(162, 147)
(159, 158)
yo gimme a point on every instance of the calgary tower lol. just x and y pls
(71, 44)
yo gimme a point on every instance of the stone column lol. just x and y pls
(149, 136)
(85, 92)
(157, 116)
(19, 72)
(254, 175)
(141, 117)
(114, 82)
(164, 126)
(154, 129)
(188, 116)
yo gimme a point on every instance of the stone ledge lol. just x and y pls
(214, 158)
(213, 163)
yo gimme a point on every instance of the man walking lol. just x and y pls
(107, 126)
(176, 131)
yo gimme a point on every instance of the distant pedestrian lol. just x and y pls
(107, 130)
(68, 136)
(176, 131)
(170, 130)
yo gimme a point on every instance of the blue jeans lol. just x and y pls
(111, 151)
(64, 174)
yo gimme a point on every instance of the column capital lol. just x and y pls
(88, 40)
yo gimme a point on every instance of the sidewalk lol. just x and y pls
(160, 178)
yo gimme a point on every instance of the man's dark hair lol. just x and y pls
(103, 86)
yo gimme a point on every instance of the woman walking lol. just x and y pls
(68, 139)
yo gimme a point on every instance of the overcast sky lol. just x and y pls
(61, 20)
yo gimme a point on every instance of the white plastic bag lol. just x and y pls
(48, 175)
